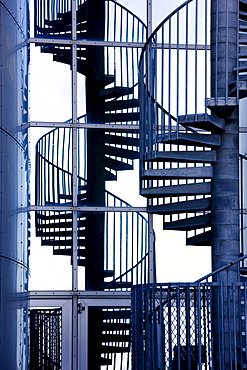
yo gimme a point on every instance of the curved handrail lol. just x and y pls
(160, 25)
(132, 266)
(174, 73)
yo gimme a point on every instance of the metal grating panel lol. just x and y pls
(45, 339)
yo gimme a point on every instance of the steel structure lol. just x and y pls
(169, 97)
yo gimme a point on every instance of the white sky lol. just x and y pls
(50, 100)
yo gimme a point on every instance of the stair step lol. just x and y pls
(115, 326)
(115, 92)
(117, 314)
(81, 12)
(242, 88)
(116, 285)
(61, 233)
(189, 206)
(116, 338)
(61, 27)
(117, 165)
(242, 66)
(103, 80)
(243, 37)
(200, 239)
(203, 121)
(187, 224)
(197, 156)
(57, 216)
(81, 262)
(243, 270)
(205, 172)
(114, 349)
(109, 176)
(122, 140)
(105, 361)
(201, 188)
(80, 197)
(69, 252)
(59, 50)
(60, 225)
(121, 104)
(122, 117)
(106, 273)
(122, 153)
(82, 65)
(193, 139)
(63, 243)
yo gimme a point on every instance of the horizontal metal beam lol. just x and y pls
(86, 43)
(56, 294)
(100, 126)
(64, 208)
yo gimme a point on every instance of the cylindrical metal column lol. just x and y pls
(225, 184)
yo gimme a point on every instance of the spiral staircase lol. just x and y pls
(192, 75)
(111, 247)
(180, 140)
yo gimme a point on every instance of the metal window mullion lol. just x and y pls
(186, 59)
(196, 54)
(206, 51)
(74, 192)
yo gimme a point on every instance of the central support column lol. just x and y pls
(225, 185)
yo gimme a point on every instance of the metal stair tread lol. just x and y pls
(116, 326)
(116, 338)
(205, 172)
(63, 243)
(120, 152)
(109, 176)
(115, 92)
(69, 252)
(190, 223)
(114, 105)
(63, 224)
(188, 206)
(199, 156)
(122, 140)
(114, 349)
(193, 139)
(122, 117)
(116, 165)
(117, 314)
(203, 121)
(201, 188)
(243, 270)
(200, 239)
(116, 285)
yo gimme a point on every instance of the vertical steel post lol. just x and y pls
(74, 192)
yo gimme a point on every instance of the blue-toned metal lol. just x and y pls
(173, 326)
(14, 180)
(126, 235)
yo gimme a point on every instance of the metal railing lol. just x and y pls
(200, 326)
(126, 233)
(175, 72)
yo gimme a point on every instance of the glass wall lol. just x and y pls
(14, 180)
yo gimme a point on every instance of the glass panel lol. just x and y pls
(50, 81)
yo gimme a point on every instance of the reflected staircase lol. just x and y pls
(111, 94)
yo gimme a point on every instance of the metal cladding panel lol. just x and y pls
(14, 57)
